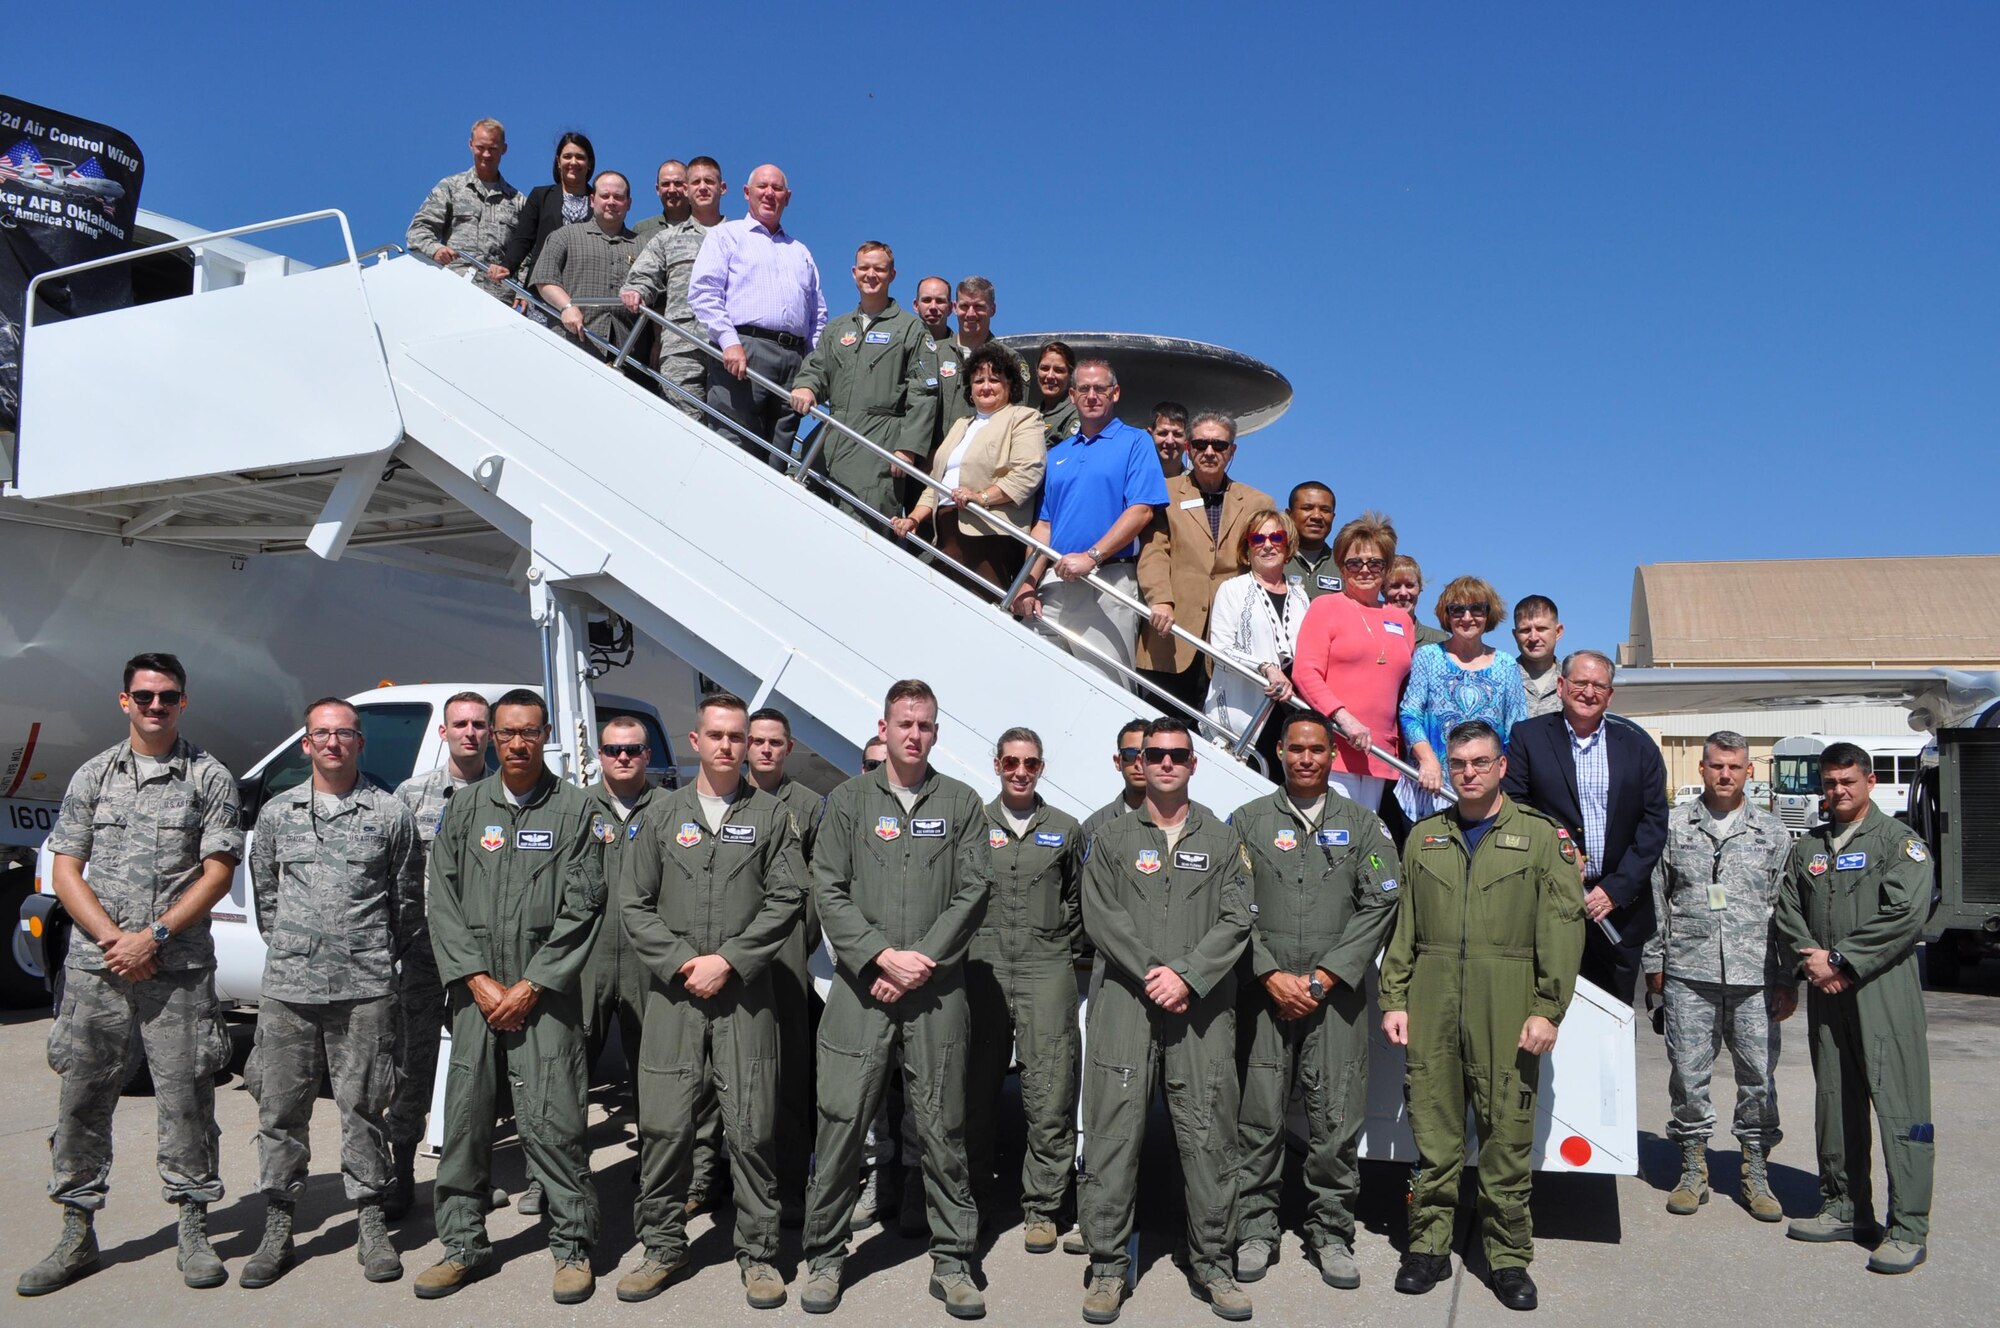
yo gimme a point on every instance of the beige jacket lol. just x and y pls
(1182, 564)
(1010, 454)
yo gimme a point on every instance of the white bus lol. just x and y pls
(1795, 773)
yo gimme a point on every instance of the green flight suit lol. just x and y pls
(736, 890)
(913, 879)
(516, 892)
(1316, 576)
(1020, 980)
(1060, 420)
(869, 373)
(1186, 907)
(944, 383)
(1483, 940)
(1869, 900)
(614, 981)
(1326, 898)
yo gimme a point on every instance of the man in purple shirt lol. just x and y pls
(755, 290)
(1102, 491)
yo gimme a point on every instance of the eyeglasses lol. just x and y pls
(1588, 688)
(1209, 445)
(868, 765)
(1091, 389)
(517, 735)
(1127, 755)
(1478, 765)
(632, 750)
(1162, 755)
(1465, 610)
(1259, 539)
(1353, 565)
(1031, 764)
(321, 737)
(164, 698)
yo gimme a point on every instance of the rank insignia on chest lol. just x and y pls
(689, 836)
(1850, 862)
(847, 339)
(1285, 840)
(1818, 864)
(996, 838)
(601, 831)
(1186, 861)
(1148, 861)
(1916, 850)
(887, 828)
(1330, 838)
(494, 838)
(929, 827)
(535, 841)
(1048, 839)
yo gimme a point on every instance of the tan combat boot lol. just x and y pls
(960, 1295)
(649, 1279)
(1757, 1196)
(763, 1288)
(454, 1272)
(74, 1256)
(1224, 1297)
(1102, 1300)
(574, 1280)
(1692, 1190)
(1038, 1236)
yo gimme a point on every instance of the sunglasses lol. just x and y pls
(1465, 610)
(1208, 445)
(1031, 764)
(1162, 755)
(1127, 755)
(164, 698)
(629, 749)
(1353, 565)
(1274, 537)
(866, 766)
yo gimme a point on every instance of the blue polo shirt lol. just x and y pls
(1092, 479)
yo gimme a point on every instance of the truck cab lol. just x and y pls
(401, 727)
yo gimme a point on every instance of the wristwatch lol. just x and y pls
(1836, 958)
(160, 933)
(1316, 988)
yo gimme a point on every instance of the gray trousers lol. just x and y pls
(179, 1022)
(1080, 608)
(355, 1043)
(420, 1023)
(1702, 1017)
(765, 414)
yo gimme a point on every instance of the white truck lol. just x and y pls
(401, 727)
(1795, 774)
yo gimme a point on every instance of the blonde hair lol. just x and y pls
(1263, 516)
(1371, 528)
(1472, 590)
(490, 123)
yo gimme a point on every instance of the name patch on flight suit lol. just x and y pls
(1148, 861)
(1850, 862)
(887, 828)
(537, 841)
(737, 834)
(689, 836)
(495, 837)
(928, 827)
(1330, 838)
(1048, 839)
(1285, 840)
(1818, 864)
(878, 338)
(1186, 861)
(996, 837)
(1329, 582)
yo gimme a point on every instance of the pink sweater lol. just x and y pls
(1339, 643)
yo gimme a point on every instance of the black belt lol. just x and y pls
(1113, 562)
(785, 339)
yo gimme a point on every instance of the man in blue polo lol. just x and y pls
(1103, 488)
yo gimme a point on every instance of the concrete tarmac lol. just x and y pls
(1607, 1252)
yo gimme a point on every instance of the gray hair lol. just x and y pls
(1724, 740)
(1569, 660)
(1214, 417)
(1105, 365)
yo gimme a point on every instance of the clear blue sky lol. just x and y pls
(1565, 288)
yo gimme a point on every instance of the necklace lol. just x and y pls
(1382, 645)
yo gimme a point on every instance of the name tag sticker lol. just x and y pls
(737, 834)
(1850, 862)
(1190, 504)
(1185, 861)
(878, 338)
(928, 827)
(1047, 839)
(538, 841)
(1393, 628)
(1330, 838)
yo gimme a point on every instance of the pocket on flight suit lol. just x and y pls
(1109, 1093)
(843, 1075)
(1191, 1103)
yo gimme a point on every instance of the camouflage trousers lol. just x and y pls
(688, 369)
(178, 1021)
(420, 1024)
(1703, 1017)
(354, 1042)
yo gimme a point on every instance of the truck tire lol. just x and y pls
(20, 986)
(1942, 970)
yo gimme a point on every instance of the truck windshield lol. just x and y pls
(1796, 774)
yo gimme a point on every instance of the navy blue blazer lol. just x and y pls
(1542, 773)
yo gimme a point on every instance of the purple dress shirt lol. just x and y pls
(747, 275)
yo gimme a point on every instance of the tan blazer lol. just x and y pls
(1010, 453)
(1180, 562)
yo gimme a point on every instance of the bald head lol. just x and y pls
(767, 195)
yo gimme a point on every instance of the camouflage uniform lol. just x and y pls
(482, 221)
(144, 835)
(419, 994)
(339, 895)
(660, 276)
(1713, 894)
(1541, 692)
